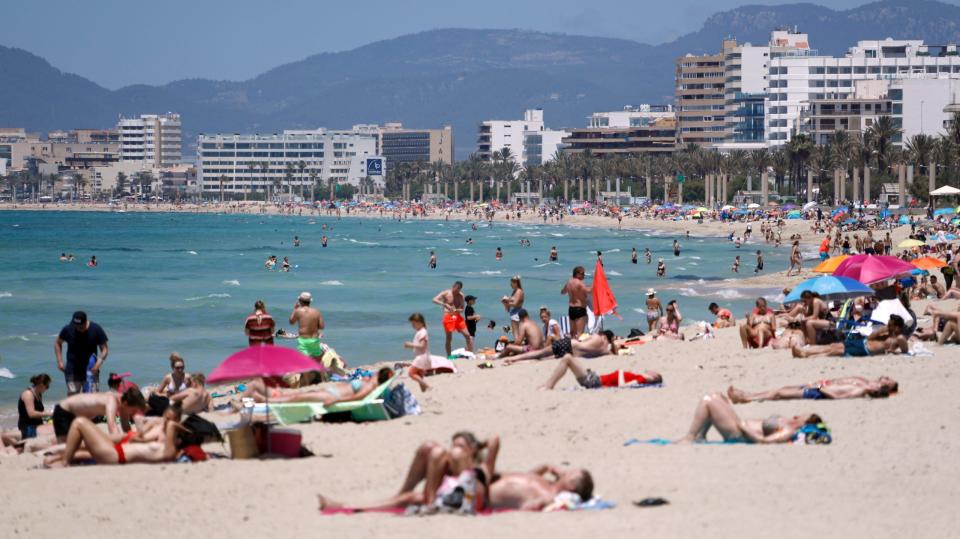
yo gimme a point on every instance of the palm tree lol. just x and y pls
(223, 180)
(252, 168)
(798, 149)
(301, 166)
(288, 176)
(882, 133)
(921, 149)
(264, 168)
(313, 187)
(759, 161)
(822, 160)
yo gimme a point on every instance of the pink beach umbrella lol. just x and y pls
(262, 361)
(872, 268)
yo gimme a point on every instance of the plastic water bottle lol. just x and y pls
(88, 385)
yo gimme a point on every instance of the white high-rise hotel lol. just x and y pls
(154, 139)
(918, 77)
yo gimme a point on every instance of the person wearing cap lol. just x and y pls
(654, 310)
(310, 322)
(470, 315)
(86, 350)
(528, 336)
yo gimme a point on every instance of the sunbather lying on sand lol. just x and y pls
(437, 466)
(107, 448)
(716, 410)
(591, 380)
(327, 394)
(597, 345)
(888, 340)
(951, 327)
(532, 491)
(851, 387)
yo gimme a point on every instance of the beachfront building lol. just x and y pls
(154, 139)
(803, 77)
(541, 147)
(398, 144)
(720, 98)
(296, 160)
(497, 135)
(631, 116)
(656, 138)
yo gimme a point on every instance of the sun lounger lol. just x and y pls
(370, 408)
(594, 324)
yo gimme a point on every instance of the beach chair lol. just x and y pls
(369, 408)
(594, 323)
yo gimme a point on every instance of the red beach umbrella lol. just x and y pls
(262, 361)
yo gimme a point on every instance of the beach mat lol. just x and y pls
(628, 386)
(663, 441)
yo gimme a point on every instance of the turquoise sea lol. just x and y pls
(186, 282)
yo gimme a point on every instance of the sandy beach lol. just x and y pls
(889, 471)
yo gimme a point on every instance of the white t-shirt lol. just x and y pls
(421, 350)
(548, 328)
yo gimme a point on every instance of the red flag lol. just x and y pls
(603, 300)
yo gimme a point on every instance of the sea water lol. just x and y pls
(185, 282)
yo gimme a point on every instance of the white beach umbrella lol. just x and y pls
(888, 307)
(809, 205)
(753, 206)
(945, 190)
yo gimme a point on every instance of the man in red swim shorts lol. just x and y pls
(453, 321)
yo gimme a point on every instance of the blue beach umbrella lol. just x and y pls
(831, 288)
(841, 209)
(850, 221)
(904, 220)
(944, 211)
(885, 213)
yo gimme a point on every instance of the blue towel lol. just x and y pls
(662, 441)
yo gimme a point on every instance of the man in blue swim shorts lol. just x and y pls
(850, 387)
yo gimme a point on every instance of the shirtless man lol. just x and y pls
(850, 387)
(528, 337)
(715, 410)
(597, 345)
(311, 324)
(889, 340)
(110, 405)
(195, 398)
(591, 380)
(453, 303)
(532, 491)
(654, 310)
(577, 310)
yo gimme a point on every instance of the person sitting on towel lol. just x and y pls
(596, 345)
(529, 337)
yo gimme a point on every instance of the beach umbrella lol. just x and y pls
(944, 211)
(795, 214)
(753, 206)
(928, 263)
(830, 288)
(885, 213)
(870, 268)
(881, 314)
(946, 190)
(849, 221)
(904, 220)
(809, 206)
(838, 211)
(728, 207)
(830, 265)
(789, 206)
(262, 361)
(909, 243)
(604, 302)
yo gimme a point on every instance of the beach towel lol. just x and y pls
(370, 408)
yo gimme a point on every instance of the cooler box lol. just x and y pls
(285, 442)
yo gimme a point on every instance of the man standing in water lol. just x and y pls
(311, 324)
(453, 303)
(577, 309)
(84, 338)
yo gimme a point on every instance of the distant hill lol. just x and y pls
(454, 76)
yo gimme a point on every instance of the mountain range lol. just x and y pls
(449, 76)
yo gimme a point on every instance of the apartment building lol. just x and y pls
(401, 145)
(631, 116)
(700, 99)
(656, 138)
(155, 139)
(252, 163)
(495, 135)
(802, 77)
(540, 147)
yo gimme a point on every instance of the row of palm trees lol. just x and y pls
(583, 175)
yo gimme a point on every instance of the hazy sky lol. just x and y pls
(121, 42)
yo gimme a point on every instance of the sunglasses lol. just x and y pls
(178, 367)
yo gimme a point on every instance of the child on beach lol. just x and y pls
(736, 264)
(421, 350)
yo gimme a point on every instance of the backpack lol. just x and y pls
(399, 402)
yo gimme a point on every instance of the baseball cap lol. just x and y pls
(305, 296)
(470, 298)
(79, 318)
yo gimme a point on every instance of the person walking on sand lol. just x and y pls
(577, 304)
(310, 323)
(86, 344)
(421, 351)
(453, 303)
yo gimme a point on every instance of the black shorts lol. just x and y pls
(575, 313)
(61, 421)
(562, 347)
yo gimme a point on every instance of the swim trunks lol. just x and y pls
(575, 313)
(855, 348)
(813, 393)
(562, 347)
(61, 421)
(515, 314)
(454, 322)
(824, 255)
(590, 380)
(310, 346)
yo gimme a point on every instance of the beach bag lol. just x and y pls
(200, 431)
(399, 402)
